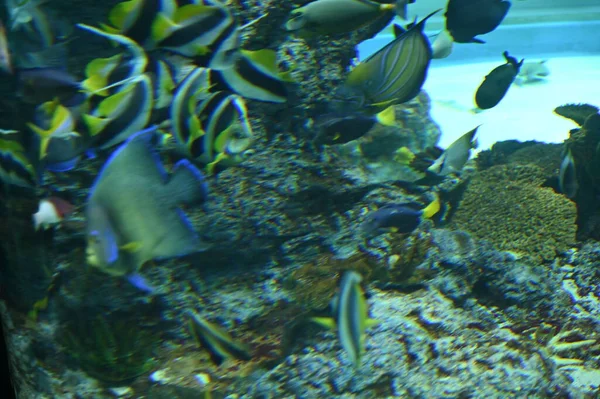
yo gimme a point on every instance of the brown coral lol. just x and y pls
(507, 206)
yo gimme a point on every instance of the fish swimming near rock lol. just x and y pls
(395, 73)
(531, 72)
(350, 316)
(219, 344)
(134, 18)
(200, 30)
(254, 75)
(334, 129)
(399, 218)
(133, 213)
(454, 158)
(567, 176)
(496, 84)
(466, 19)
(325, 17)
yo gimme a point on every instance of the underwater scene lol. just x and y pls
(300, 199)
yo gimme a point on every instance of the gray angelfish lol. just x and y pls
(133, 213)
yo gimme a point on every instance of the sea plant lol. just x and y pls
(112, 351)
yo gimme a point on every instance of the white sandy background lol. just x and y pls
(525, 113)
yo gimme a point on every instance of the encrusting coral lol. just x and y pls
(507, 206)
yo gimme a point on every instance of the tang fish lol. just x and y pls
(532, 72)
(466, 19)
(254, 75)
(324, 17)
(343, 129)
(395, 73)
(199, 30)
(51, 211)
(400, 218)
(495, 85)
(134, 18)
(133, 213)
(350, 316)
(454, 158)
(567, 177)
(58, 123)
(219, 344)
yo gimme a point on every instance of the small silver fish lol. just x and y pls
(442, 45)
(531, 72)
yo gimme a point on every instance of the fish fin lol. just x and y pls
(162, 27)
(42, 304)
(133, 246)
(64, 166)
(326, 322)
(97, 71)
(44, 136)
(387, 117)
(95, 124)
(398, 30)
(109, 29)
(119, 13)
(111, 104)
(479, 41)
(267, 59)
(186, 184)
(140, 282)
(190, 11)
(432, 208)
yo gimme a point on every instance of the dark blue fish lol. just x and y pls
(401, 218)
(495, 85)
(466, 19)
(133, 213)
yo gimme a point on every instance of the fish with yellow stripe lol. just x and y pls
(255, 75)
(122, 114)
(394, 74)
(350, 316)
(133, 18)
(212, 128)
(15, 167)
(197, 30)
(341, 129)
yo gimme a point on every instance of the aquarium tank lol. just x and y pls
(302, 199)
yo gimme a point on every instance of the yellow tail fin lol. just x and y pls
(432, 208)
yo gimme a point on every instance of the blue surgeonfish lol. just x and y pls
(465, 19)
(350, 316)
(567, 177)
(133, 213)
(255, 75)
(395, 73)
(219, 344)
(496, 84)
(134, 18)
(198, 30)
(399, 218)
(323, 17)
(454, 158)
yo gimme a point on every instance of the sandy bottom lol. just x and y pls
(525, 113)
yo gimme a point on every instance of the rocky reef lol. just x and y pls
(490, 298)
